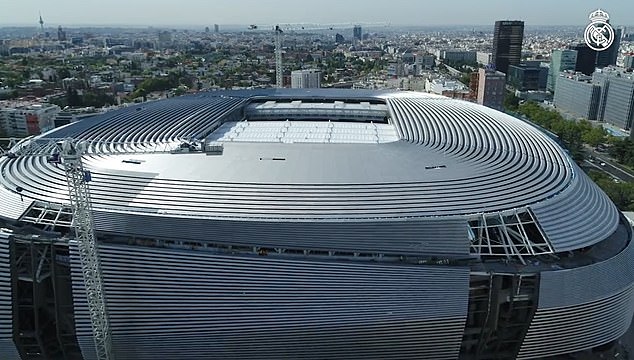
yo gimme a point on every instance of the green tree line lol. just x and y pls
(573, 133)
(161, 83)
(622, 150)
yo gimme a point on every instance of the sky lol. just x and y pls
(265, 12)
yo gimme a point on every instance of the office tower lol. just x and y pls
(491, 88)
(207, 29)
(216, 28)
(528, 76)
(61, 34)
(560, 60)
(303, 79)
(164, 39)
(608, 57)
(616, 105)
(356, 33)
(339, 39)
(628, 61)
(575, 94)
(507, 44)
(623, 32)
(586, 58)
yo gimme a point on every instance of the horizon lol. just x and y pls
(245, 26)
(406, 13)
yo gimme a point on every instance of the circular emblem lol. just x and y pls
(599, 34)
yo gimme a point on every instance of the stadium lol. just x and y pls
(315, 224)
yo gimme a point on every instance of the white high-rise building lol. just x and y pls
(303, 79)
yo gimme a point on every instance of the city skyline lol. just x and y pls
(223, 12)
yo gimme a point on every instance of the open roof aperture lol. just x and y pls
(310, 121)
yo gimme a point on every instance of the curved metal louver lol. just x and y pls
(575, 328)
(219, 307)
(583, 307)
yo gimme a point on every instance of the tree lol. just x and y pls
(594, 136)
(63, 73)
(465, 78)
(72, 98)
(511, 102)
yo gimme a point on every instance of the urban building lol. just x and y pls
(616, 104)
(61, 34)
(507, 44)
(586, 58)
(164, 39)
(395, 68)
(457, 55)
(303, 79)
(339, 39)
(576, 95)
(280, 231)
(424, 61)
(216, 28)
(527, 76)
(357, 33)
(622, 31)
(24, 119)
(484, 58)
(608, 57)
(560, 60)
(491, 88)
(474, 83)
(532, 95)
(628, 61)
(441, 86)
(66, 117)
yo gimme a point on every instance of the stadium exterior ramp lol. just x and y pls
(312, 224)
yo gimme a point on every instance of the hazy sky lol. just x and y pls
(397, 12)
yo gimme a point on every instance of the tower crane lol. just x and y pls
(279, 76)
(68, 153)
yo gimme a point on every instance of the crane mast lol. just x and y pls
(83, 225)
(68, 153)
(279, 76)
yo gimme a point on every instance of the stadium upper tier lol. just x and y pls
(323, 156)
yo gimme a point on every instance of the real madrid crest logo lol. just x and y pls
(599, 35)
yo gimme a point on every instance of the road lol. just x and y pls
(610, 166)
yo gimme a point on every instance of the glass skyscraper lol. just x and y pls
(507, 44)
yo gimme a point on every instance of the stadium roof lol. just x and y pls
(413, 157)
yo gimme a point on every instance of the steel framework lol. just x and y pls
(514, 234)
(279, 76)
(68, 153)
(78, 178)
